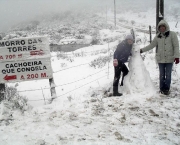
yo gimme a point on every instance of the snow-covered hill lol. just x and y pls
(83, 113)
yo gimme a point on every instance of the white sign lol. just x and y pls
(24, 48)
(25, 59)
(25, 70)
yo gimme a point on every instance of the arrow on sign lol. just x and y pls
(7, 78)
(40, 52)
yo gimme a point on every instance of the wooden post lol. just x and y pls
(150, 38)
(159, 11)
(161, 6)
(2, 92)
(150, 35)
(52, 89)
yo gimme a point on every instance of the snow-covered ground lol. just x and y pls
(83, 113)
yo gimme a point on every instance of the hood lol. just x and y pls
(163, 22)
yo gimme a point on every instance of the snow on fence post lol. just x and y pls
(2, 91)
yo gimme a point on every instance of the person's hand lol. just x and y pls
(115, 62)
(176, 60)
(141, 51)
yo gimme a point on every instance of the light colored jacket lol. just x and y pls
(167, 45)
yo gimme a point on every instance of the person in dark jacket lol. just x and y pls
(121, 55)
(167, 52)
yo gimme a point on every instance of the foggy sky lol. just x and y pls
(16, 11)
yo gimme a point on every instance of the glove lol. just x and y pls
(115, 62)
(141, 51)
(176, 60)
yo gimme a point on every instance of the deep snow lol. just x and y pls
(83, 113)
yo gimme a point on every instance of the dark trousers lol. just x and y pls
(117, 73)
(165, 70)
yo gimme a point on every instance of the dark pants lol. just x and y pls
(165, 70)
(117, 73)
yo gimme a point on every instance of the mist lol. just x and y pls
(13, 12)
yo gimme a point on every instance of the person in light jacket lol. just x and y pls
(121, 55)
(167, 53)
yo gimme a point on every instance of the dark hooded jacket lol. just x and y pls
(123, 51)
(167, 45)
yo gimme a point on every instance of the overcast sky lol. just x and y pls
(16, 11)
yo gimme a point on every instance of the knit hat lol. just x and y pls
(130, 37)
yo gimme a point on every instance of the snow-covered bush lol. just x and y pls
(79, 54)
(15, 99)
(100, 62)
(133, 22)
(62, 55)
(122, 20)
(95, 41)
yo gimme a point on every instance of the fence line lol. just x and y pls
(90, 75)
(74, 53)
(70, 67)
(81, 79)
(33, 90)
(66, 83)
(73, 89)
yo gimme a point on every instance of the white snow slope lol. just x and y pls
(83, 113)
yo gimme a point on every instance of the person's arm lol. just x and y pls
(115, 61)
(115, 54)
(175, 44)
(150, 46)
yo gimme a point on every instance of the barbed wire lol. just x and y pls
(82, 78)
(83, 51)
(33, 90)
(70, 82)
(73, 89)
(66, 83)
(70, 67)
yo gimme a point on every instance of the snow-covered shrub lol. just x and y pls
(15, 100)
(100, 62)
(95, 41)
(79, 54)
(103, 51)
(95, 52)
(122, 20)
(133, 22)
(63, 64)
(61, 55)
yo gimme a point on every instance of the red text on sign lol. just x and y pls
(10, 56)
(32, 76)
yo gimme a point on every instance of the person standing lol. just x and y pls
(121, 55)
(167, 52)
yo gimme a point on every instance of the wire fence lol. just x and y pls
(105, 70)
(74, 89)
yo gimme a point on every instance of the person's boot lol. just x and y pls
(115, 91)
(166, 92)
